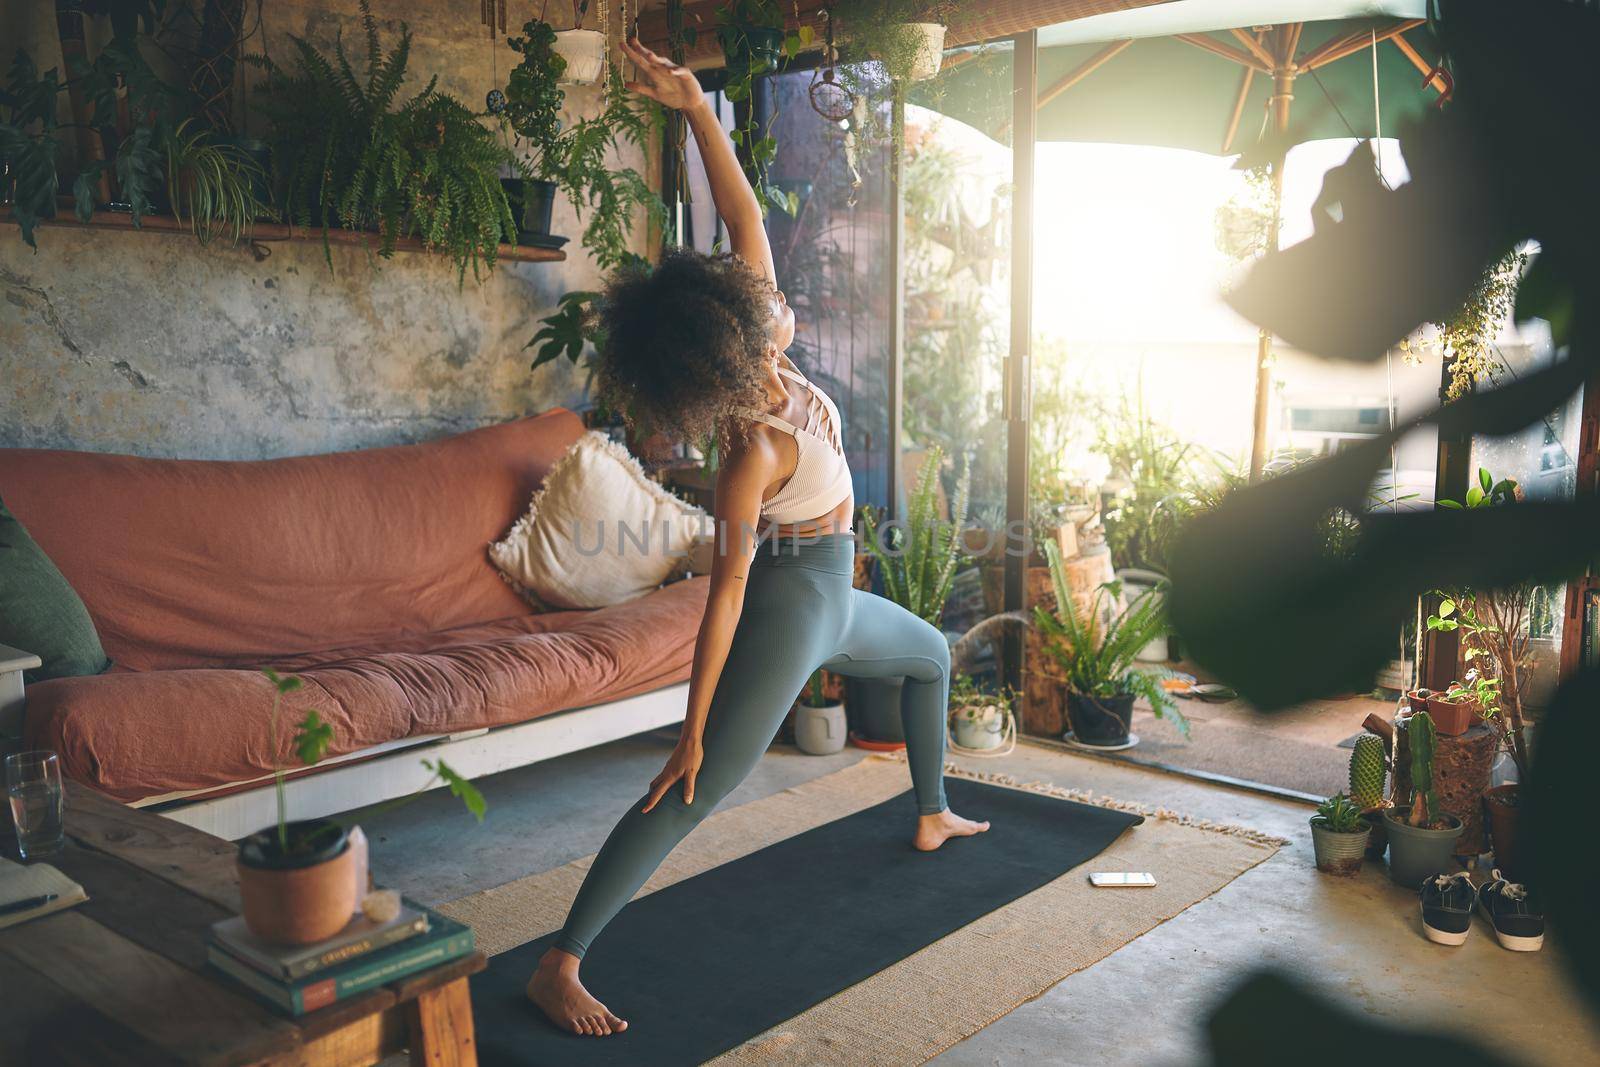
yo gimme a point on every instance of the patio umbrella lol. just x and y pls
(1217, 76)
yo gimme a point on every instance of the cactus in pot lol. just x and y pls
(1368, 769)
(1421, 840)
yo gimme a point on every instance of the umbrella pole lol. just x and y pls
(1282, 97)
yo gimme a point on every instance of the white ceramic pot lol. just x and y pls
(820, 731)
(929, 54)
(585, 53)
(980, 727)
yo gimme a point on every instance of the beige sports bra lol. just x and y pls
(821, 479)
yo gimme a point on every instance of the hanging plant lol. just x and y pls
(754, 44)
(1466, 341)
(903, 39)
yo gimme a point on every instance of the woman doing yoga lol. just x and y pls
(696, 346)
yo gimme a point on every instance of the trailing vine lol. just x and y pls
(1466, 341)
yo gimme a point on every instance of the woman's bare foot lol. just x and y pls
(935, 830)
(555, 988)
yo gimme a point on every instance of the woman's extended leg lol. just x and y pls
(789, 618)
(884, 640)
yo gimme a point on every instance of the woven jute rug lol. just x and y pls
(928, 1001)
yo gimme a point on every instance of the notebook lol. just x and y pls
(20, 882)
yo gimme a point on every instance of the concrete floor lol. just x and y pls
(1360, 940)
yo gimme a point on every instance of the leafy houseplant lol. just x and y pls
(1453, 710)
(297, 879)
(819, 723)
(1339, 836)
(1095, 648)
(906, 37)
(213, 184)
(1421, 836)
(917, 562)
(754, 44)
(347, 156)
(980, 721)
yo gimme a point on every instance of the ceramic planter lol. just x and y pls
(532, 203)
(760, 48)
(1503, 812)
(302, 898)
(1377, 840)
(819, 731)
(1416, 853)
(980, 727)
(1103, 721)
(1338, 853)
(874, 705)
(927, 39)
(585, 53)
(1451, 717)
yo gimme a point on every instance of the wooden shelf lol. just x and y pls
(269, 233)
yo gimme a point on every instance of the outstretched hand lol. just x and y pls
(661, 79)
(683, 765)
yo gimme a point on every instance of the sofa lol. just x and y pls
(365, 573)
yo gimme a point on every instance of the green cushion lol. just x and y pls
(39, 612)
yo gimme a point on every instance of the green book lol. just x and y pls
(445, 940)
(288, 962)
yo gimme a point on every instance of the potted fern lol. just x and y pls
(917, 562)
(1421, 835)
(347, 156)
(297, 879)
(1096, 648)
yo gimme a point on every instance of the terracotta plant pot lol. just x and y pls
(301, 898)
(1502, 809)
(1451, 717)
(1418, 699)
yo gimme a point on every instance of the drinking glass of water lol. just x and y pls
(33, 785)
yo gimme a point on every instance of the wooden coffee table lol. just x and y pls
(122, 979)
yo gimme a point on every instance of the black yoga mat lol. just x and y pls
(710, 962)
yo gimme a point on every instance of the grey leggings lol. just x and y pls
(800, 613)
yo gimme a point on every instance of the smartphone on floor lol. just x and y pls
(1122, 880)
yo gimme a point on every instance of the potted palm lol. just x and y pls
(1339, 836)
(819, 723)
(297, 879)
(1095, 649)
(1421, 836)
(917, 562)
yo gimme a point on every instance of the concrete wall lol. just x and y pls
(153, 345)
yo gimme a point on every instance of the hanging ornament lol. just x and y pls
(828, 98)
(495, 102)
(492, 13)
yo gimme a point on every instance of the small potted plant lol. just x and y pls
(1369, 767)
(1417, 699)
(979, 721)
(582, 52)
(1421, 837)
(533, 99)
(819, 722)
(1453, 710)
(297, 880)
(1096, 649)
(752, 36)
(905, 36)
(1339, 836)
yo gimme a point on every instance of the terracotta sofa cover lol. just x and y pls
(364, 572)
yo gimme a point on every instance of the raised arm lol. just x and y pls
(675, 87)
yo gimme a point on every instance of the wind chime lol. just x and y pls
(492, 13)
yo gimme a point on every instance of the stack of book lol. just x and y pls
(365, 954)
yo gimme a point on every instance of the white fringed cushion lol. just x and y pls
(598, 532)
